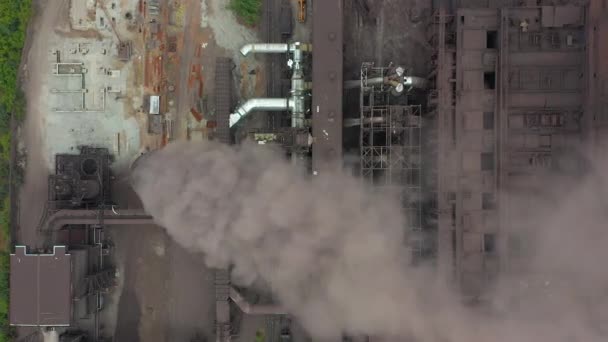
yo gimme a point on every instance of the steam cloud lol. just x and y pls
(335, 257)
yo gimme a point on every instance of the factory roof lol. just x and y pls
(154, 104)
(327, 85)
(42, 292)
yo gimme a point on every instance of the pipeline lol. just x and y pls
(249, 309)
(415, 82)
(276, 48)
(407, 81)
(296, 102)
(50, 335)
(268, 104)
(370, 81)
(81, 216)
(353, 122)
(264, 48)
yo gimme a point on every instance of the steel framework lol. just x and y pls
(390, 140)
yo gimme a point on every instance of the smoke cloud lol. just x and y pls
(335, 255)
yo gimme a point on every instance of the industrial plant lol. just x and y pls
(459, 111)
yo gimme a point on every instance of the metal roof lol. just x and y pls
(327, 85)
(40, 292)
(154, 104)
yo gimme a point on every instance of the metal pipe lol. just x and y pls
(269, 104)
(264, 48)
(298, 92)
(249, 309)
(85, 216)
(351, 84)
(352, 122)
(415, 82)
(408, 81)
(295, 48)
(50, 335)
(296, 102)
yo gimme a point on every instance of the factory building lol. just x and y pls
(80, 181)
(44, 295)
(62, 283)
(510, 97)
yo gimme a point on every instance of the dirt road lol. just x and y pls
(33, 192)
(167, 292)
(187, 58)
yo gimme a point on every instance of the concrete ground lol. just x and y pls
(164, 293)
(46, 132)
(384, 32)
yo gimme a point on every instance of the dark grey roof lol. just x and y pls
(327, 63)
(40, 288)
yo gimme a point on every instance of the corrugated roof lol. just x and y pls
(40, 292)
(327, 85)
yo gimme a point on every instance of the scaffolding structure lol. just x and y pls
(390, 140)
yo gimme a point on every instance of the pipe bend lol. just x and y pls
(264, 48)
(259, 104)
(415, 82)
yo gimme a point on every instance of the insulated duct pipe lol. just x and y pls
(408, 81)
(264, 48)
(296, 102)
(249, 309)
(50, 335)
(414, 82)
(370, 81)
(276, 48)
(352, 122)
(260, 104)
(298, 91)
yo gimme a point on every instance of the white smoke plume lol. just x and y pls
(335, 256)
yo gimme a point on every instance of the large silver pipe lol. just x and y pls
(296, 102)
(296, 48)
(352, 122)
(264, 48)
(260, 104)
(249, 309)
(50, 335)
(298, 91)
(415, 82)
(408, 81)
(351, 84)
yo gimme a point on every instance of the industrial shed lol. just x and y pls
(42, 292)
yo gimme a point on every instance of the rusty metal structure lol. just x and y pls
(509, 92)
(80, 180)
(78, 210)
